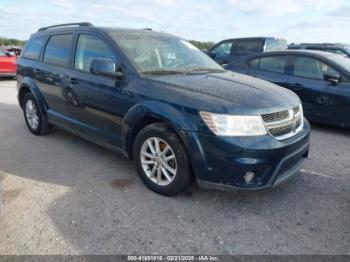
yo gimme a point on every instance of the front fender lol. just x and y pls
(28, 83)
(167, 113)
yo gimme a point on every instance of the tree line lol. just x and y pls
(16, 42)
(202, 45)
(11, 42)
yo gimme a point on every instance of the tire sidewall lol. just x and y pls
(183, 176)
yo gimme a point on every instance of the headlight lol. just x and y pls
(234, 125)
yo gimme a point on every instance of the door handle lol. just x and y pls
(36, 71)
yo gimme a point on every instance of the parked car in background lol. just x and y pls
(15, 50)
(320, 79)
(7, 63)
(161, 101)
(340, 49)
(230, 50)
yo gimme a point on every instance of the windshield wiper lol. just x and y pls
(204, 71)
(163, 72)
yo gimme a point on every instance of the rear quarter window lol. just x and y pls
(247, 47)
(57, 51)
(33, 49)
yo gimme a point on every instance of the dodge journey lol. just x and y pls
(163, 103)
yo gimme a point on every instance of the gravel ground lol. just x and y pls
(63, 195)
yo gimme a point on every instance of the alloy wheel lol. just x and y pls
(32, 114)
(158, 161)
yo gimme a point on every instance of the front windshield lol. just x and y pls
(344, 62)
(162, 54)
(347, 49)
(2, 52)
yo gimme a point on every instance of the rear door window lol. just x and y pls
(57, 51)
(33, 49)
(274, 64)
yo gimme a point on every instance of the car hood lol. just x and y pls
(234, 91)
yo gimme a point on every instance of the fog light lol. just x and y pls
(248, 177)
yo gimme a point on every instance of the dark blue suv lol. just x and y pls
(162, 102)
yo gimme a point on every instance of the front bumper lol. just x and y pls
(222, 162)
(7, 74)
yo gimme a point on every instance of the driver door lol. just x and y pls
(321, 99)
(88, 95)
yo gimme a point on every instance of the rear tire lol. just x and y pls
(161, 160)
(35, 119)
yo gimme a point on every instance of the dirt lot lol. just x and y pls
(63, 195)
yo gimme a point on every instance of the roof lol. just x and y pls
(252, 38)
(300, 52)
(88, 26)
(319, 44)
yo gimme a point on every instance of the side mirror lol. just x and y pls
(106, 67)
(11, 53)
(333, 79)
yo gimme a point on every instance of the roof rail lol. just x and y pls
(330, 44)
(62, 25)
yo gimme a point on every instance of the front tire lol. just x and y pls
(161, 160)
(36, 122)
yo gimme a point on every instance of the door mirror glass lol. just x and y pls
(106, 67)
(333, 79)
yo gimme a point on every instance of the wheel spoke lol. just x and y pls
(148, 162)
(153, 172)
(159, 175)
(151, 147)
(165, 173)
(165, 151)
(169, 168)
(146, 154)
(168, 158)
(156, 142)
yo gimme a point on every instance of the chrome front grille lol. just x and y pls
(284, 124)
(273, 117)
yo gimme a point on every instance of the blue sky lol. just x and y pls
(210, 20)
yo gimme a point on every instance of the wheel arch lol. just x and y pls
(28, 85)
(147, 113)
